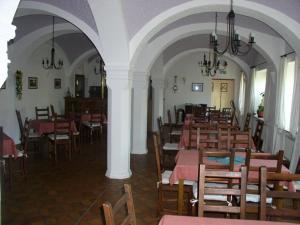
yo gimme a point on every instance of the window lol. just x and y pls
(259, 86)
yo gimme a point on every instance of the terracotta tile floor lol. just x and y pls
(71, 192)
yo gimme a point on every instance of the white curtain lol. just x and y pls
(280, 104)
(252, 91)
(242, 94)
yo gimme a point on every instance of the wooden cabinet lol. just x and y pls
(82, 105)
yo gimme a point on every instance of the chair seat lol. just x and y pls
(20, 153)
(171, 146)
(253, 198)
(91, 124)
(176, 132)
(222, 198)
(33, 135)
(166, 178)
(58, 137)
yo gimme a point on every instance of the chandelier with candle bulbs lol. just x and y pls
(233, 42)
(51, 64)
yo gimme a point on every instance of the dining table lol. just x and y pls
(189, 220)
(187, 166)
(46, 126)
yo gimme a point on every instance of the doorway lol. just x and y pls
(222, 93)
(79, 86)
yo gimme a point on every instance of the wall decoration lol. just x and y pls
(32, 82)
(197, 87)
(57, 83)
(3, 85)
(19, 84)
(224, 87)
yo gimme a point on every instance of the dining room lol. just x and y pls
(190, 108)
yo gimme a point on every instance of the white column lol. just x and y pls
(119, 115)
(139, 113)
(158, 100)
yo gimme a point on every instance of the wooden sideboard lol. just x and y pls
(83, 105)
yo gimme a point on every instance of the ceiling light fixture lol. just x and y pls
(233, 41)
(50, 64)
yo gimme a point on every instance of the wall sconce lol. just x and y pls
(175, 87)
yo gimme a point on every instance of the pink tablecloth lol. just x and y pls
(188, 220)
(47, 126)
(9, 147)
(87, 117)
(187, 167)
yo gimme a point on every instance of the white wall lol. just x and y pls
(42, 97)
(188, 68)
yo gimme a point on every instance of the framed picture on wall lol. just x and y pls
(57, 83)
(32, 83)
(197, 87)
(3, 86)
(224, 87)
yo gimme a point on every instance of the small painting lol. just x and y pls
(3, 86)
(32, 82)
(224, 87)
(197, 87)
(57, 83)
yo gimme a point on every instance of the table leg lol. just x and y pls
(180, 196)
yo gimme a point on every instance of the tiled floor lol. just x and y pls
(71, 192)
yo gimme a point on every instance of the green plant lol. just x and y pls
(260, 108)
(19, 84)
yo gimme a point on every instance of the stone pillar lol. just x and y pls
(119, 122)
(139, 113)
(158, 100)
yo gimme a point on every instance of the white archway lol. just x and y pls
(284, 25)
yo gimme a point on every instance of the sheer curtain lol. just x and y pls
(252, 91)
(242, 92)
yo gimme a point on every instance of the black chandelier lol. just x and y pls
(212, 67)
(233, 41)
(51, 64)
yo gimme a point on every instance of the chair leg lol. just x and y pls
(9, 162)
(160, 201)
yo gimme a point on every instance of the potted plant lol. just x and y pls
(260, 109)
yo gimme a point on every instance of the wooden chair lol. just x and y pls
(247, 122)
(212, 175)
(163, 185)
(257, 135)
(277, 193)
(93, 126)
(240, 140)
(210, 139)
(53, 113)
(194, 137)
(62, 136)
(21, 153)
(126, 201)
(252, 196)
(33, 137)
(174, 130)
(42, 113)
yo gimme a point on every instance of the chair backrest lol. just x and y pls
(240, 139)
(42, 113)
(169, 117)
(210, 139)
(194, 137)
(175, 114)
(257, 134)
(247, 122)
(52, 110)
(277, 193)
(1, 141)
(126, 201)
(62, 126)
(20, 122)
(25, 136)
(219, 176)
(180, 115)
(215, 155)
(265, 159)
(158, 155)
